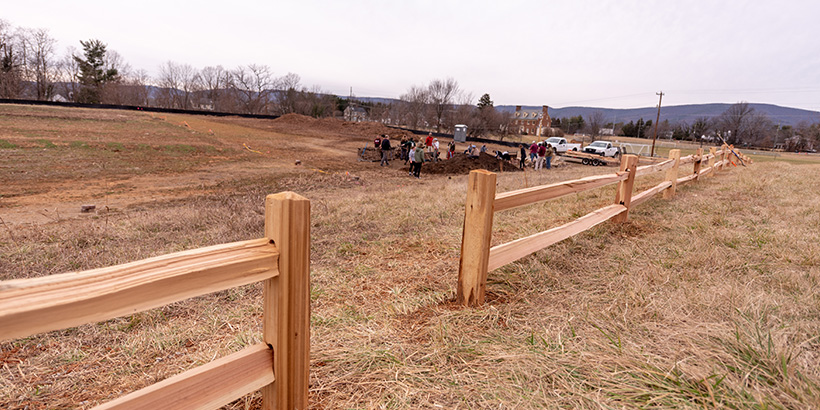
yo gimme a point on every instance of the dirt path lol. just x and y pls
(65, 200)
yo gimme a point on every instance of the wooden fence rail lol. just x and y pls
(478, 258)
(279, 366)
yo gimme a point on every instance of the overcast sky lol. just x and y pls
(614, 54)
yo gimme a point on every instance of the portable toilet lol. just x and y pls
(461, 133)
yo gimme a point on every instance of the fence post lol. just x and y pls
(286, 298)
(699, 156)
(672, 174)
(475, 239)
(723, 156)
(712, 151)
(623, 195)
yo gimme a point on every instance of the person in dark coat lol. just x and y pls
(418, 160)
(385, 146)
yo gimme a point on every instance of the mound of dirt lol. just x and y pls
(460, 164)
(336, 126)
(463, 164)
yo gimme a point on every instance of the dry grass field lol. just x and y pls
(708, 300)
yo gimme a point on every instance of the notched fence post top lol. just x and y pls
(286, 195)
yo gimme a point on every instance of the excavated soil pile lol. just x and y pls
(463, 164)
(460, 164)
(373, 155)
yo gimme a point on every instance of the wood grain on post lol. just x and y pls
(724, 156)
(30, 306)
(623, 196)
(686, 178)
(672, 174)
(651, 169)
(511, 251)
(686, 160)
(699, 156)
(286, 298)
(712, 155)
(649, 193)
(526, 196)
(475, 239)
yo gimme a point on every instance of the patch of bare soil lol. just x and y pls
(458, 165)
(304, 125)
(65, 200)
(463, 164)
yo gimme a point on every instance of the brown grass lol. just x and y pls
(706, 301)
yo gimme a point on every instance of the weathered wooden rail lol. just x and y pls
(280, 260)
(478, 258)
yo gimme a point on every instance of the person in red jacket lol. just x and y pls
(533, 152)
(429, 142)
(542, 153)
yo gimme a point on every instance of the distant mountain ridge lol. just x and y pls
(677, 113)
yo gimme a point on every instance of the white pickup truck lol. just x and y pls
(602, 148)
(560, 145)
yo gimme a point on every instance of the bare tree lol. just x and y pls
(118, 89)
(595, 121)
(252, 85)
(40, 68)
(314, 102)
(741, 124)
(133, 88)
(169, 84)
(381, 112)
(464, 112)
(442, 93)
(700, 127)
(811, 132)
(11, 76)
(502, 120)
(191, 83)
(415, 103)
(398, 113)
(178, 85)
(68, 70)
(214, 82)
(288, 94)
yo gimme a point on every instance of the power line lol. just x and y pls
(657, 119)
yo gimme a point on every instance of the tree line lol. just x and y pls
(740, 125)
(30, 68)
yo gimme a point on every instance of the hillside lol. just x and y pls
(677, 113)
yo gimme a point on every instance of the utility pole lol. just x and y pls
(658, 118)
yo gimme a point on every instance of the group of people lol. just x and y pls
(411, 151)
(540, 153)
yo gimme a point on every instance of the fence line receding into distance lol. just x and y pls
(478, 258)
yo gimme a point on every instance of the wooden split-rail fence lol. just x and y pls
(478, 258)
(279, 366)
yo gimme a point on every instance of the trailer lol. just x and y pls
(590, 159)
